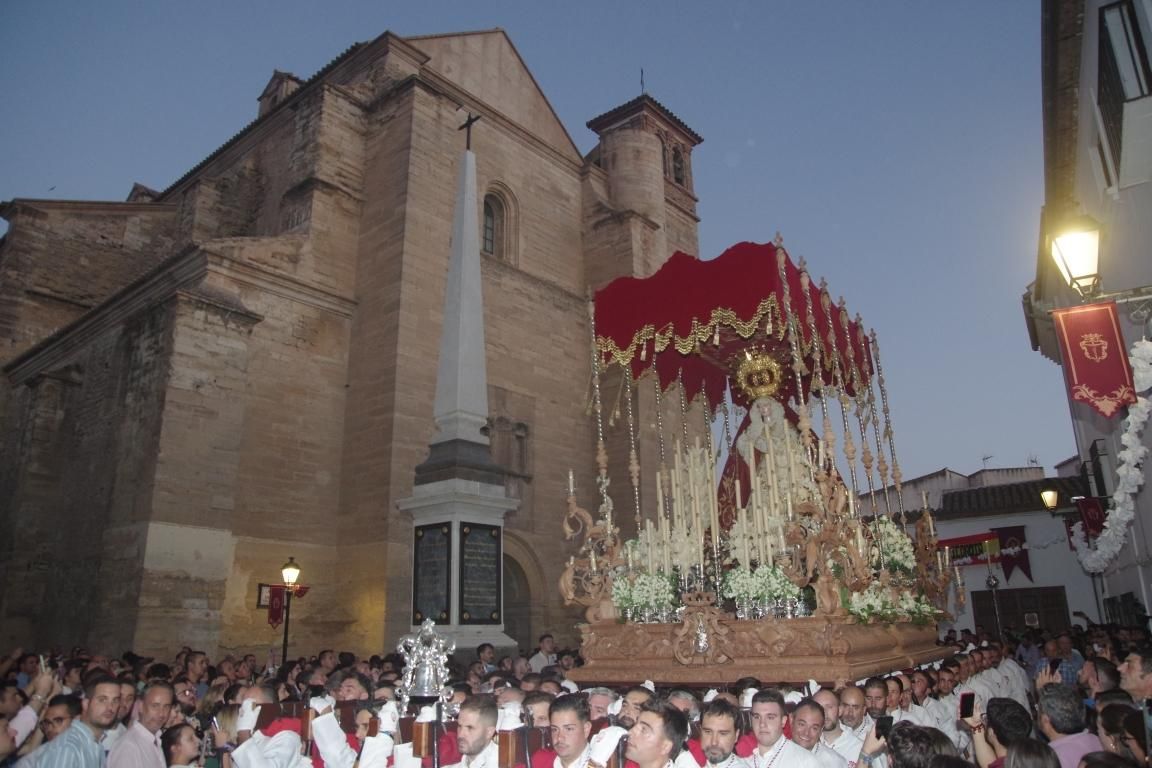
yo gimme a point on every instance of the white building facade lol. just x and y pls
(1097, 103)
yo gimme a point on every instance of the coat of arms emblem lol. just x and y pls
(1094, 346)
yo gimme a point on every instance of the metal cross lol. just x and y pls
(467, 128)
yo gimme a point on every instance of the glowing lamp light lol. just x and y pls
(291, 572)
(1050, 498)
(1076, 251)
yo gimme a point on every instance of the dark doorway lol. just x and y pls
(517, 604)
(1043, 607)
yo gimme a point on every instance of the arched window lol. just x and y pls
(489, 244)
(677, 166)
(494, 239)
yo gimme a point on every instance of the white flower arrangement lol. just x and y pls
(891, 544)
(1129, 475)
(765, 583)
(885, 604)
(622, 593)
(652, 590)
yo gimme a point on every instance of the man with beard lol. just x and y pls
(773, 749)
(808, 727)
(854, 711)
(476, 728)
(837, 738)
(79, 746)
(634, 700)
(718, 736)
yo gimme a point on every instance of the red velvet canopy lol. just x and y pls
(673, 320)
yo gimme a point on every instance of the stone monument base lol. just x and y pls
(710, 648)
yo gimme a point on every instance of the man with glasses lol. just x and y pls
(79, 745)
(59, 714)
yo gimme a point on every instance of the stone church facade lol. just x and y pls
(203, 381)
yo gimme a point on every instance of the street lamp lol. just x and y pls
(1076, 251)
(290, 573)
(1050, 497)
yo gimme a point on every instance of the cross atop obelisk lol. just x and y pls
(467, 128)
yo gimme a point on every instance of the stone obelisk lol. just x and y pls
(459, 499)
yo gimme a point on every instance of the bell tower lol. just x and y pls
(645, 152)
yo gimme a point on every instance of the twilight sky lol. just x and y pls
(895, 145)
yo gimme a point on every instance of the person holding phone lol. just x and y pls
(1005, 724)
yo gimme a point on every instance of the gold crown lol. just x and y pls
(759, 375)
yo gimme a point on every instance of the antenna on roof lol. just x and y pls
(1033, 461)
(986, 459)
(642, 91)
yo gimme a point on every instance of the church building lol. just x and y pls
(201, 382)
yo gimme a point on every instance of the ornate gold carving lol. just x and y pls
(759, 375)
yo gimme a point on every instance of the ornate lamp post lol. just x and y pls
(291, 574)
(1076, 251)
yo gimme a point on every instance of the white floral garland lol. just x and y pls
(1129, 476)
(895, 546)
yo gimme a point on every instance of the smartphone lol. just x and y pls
(1054, 665)
(967, 704)
(883, 726)
(43, 664)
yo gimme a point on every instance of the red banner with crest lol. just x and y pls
(1095, 359)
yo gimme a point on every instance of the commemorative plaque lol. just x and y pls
(480, 561)
(432, 561)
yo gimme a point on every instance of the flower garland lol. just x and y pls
(1129, 476)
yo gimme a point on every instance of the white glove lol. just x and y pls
(427, 714)
(614, 707)
(321, 703)
(813, 686)
(248, 715)
(603, 744)
(377, 750)
(746, 697)
(508, 719)
(403, 758)
(389, 718)
(792, 697)
(649, 685)
(711, 694)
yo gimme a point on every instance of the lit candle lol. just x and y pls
(939, 561)
(629, 553)
(571, 483)
(649, 555)
(820, 460)
(860, 540)
(931, 525)
(924, 499)
(592, 559)
(947, 555)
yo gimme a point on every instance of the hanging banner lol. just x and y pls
(1095, 359)
(276, 605)
(1092, 513)
(1013, 551)
(976, 549)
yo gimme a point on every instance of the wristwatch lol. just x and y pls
(866, 758)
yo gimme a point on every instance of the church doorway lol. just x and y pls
(517, 604)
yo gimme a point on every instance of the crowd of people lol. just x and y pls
(1070, 700)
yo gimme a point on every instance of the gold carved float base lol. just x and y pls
(711, 648)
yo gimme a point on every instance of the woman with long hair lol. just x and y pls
(1030, 753)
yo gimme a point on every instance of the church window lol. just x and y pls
(678, 166)
(489, 228)
(496, 232)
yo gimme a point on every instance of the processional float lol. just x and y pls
(750, 553)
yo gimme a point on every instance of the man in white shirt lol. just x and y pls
(905, 708)
(475, 731)
(773, 750)
(807, 728)
(854, 711)
(546, 656)
(839, 739)
(658, 735)
(139, 747)
(571, 726)
(945, 708)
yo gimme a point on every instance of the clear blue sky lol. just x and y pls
(896, 145)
